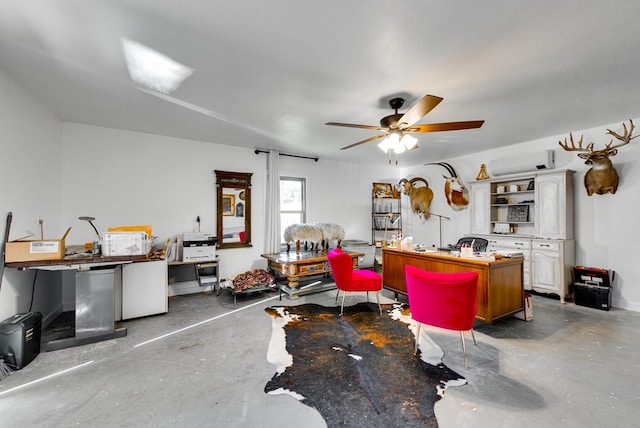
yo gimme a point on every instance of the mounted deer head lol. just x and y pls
(602, 177)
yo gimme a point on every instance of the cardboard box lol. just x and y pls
(27, 251)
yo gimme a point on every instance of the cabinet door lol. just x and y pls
(554, 206)
(480, 203)
(546, 270)
(144, 289)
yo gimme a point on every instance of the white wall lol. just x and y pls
(605, 225)
(30, 142)
(125, 178)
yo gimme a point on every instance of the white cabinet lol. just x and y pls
(479, 203)
(551, 265)
(536, 205)
(499, 244)
(534, 214)
(554, 205)
(144, 289)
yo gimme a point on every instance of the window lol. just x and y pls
(292, 202)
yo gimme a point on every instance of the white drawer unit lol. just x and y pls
(512, 245)
(551, 266)
(545, 245)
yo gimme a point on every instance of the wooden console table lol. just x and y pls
(500, 282)
(300, 265)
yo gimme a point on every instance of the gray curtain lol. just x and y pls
(272, 218)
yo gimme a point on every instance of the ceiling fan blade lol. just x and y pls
(417, 111)
(375, 137)
(351, 125)
(445, 126)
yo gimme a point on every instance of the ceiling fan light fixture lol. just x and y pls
(397, 142)
(384, 145)
(409, 141)
(392, 142)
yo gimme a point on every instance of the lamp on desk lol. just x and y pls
(390, 218)
(90, 220)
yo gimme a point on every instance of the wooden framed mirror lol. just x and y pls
(233, 204)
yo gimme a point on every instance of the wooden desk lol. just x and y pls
(76, 258)
(500, 282)
(299, 265)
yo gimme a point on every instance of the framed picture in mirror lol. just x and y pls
(228, 205)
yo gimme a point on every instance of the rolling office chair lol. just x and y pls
(349, 280)
(446, 300)
(479, 244)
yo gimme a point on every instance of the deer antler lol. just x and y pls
(573, 147)
(625, 138)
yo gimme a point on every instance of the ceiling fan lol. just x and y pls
(397, 126)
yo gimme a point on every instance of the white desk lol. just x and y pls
(202, 279)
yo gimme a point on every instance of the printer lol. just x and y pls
(197, 246)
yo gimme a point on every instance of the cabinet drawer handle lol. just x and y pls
(545, 245)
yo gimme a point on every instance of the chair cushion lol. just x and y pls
(365, 280)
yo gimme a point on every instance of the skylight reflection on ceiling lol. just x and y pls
(152, 69)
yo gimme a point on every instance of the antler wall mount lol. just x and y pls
(602, 177)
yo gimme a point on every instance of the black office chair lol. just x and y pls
(479, 244)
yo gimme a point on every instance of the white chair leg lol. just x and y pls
(474, 338)
(344, 294)
(464, 350)
(378, 299)
(415, 348)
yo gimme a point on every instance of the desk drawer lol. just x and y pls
(316, 267)
(545, 245)
(509, 244)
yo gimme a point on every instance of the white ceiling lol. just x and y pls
(269, 74)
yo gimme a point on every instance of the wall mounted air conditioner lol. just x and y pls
(524, 162)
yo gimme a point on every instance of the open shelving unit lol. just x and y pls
(513, 207)
(386, 216)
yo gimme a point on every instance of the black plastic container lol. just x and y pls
(20, 339)
(593, 287)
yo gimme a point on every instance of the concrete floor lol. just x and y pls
(570, 367)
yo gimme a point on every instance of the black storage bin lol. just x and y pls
(593, 287)
(592, 296)
(20, 339)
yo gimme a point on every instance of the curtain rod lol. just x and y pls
(293, 156)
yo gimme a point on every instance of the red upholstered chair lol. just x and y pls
(443, 299)
(352, 280)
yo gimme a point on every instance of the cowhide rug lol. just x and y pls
(359, 369)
